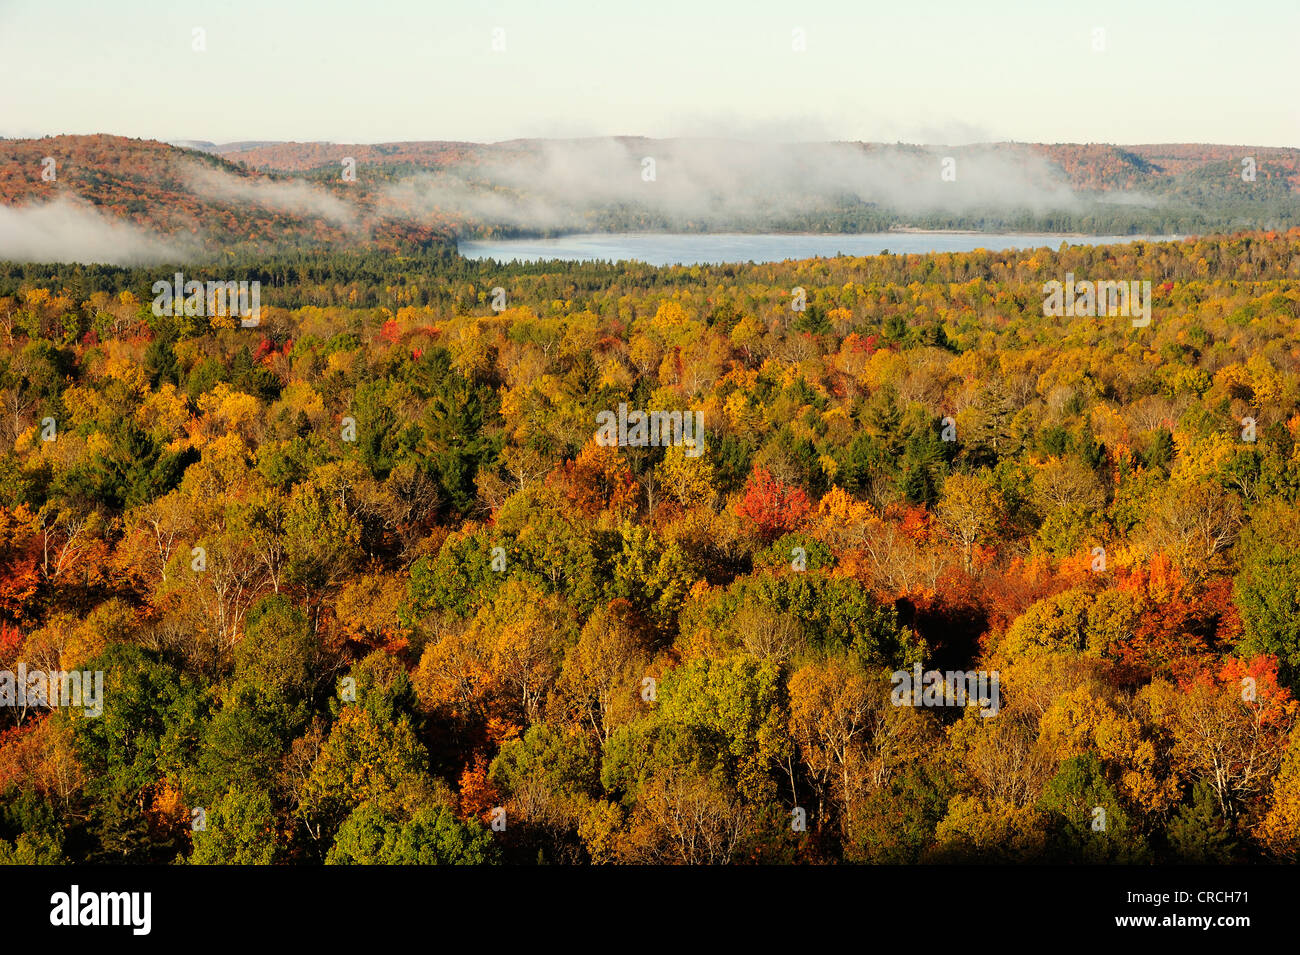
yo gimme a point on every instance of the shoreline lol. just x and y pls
(669, 249)
(908, 230)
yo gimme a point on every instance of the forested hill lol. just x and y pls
(1097, 166)
(1091, 166)
(128, 201)
(124, 201)
(540, 186)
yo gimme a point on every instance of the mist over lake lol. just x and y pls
(712, 249)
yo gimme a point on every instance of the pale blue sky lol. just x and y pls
(938, 71)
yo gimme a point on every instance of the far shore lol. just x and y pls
(895, 230)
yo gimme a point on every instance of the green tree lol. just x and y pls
(149, 728)
(376, 835)
(896, 823)
(1198, 834)
(1267, 588)
(241, 830)
(1087, 821)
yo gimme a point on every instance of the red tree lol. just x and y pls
(775, 507)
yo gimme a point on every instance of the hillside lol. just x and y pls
(1091, 166)
(128, 201)
(145, 200)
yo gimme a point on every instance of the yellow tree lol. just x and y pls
(970, 510)
(602, 672)
(528, 632)
(849, 735)
(1280, 829)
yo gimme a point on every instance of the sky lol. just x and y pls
(926, 71)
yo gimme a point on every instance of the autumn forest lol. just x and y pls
(364, 587)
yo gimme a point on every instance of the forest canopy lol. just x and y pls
(364, 588)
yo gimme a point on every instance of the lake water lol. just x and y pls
(670, 249)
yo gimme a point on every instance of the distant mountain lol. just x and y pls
(1092, 166)
(202, 145)
(304, 157)
(543, 186)
(112, 199)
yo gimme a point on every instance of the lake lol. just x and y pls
(701, 249)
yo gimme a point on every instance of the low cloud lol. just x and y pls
(295, 198)
(555, 184)
(71, 231)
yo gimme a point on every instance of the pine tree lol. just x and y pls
(1198, 834)
(122, 831)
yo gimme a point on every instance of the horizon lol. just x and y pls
(189, 142)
